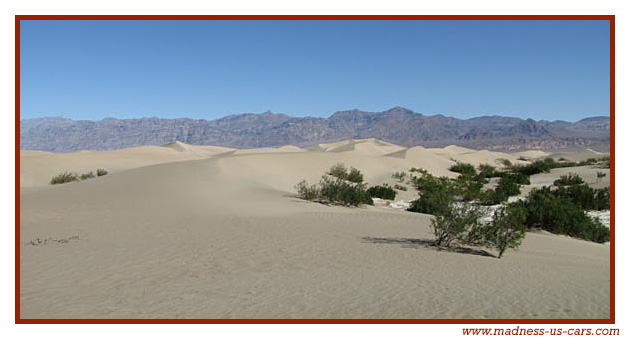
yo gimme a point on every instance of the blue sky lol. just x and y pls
(208, 69)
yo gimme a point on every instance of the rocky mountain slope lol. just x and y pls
(397, 125)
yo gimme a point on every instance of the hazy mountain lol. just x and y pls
(398, 125)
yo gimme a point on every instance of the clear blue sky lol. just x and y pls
(207, 69)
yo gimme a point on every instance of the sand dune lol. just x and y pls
(190, 232)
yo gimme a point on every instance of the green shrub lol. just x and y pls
(557, 213)
(101, 172)
(340, 192)
(509, 185)
(568, 180)
(467, 188)
(86, 176)
(487, 171)
(306, 191)
(464, 169)
(400, 187)
(339, 170)
(63, 178)
(536, 167)
(507, 228)
(491, 197)
(459, 224)
(400, 176)
(383, 192)
(433, 202)
(355, 176)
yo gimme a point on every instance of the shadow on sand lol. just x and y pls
(425, 243)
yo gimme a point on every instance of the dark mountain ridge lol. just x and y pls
(398, 125)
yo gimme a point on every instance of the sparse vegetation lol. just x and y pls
(339, 188)
(63, 178)
(400, 176)
(382, 191)
(568, 180)
(400, 187)
(66, 177)
(86, 176)
(341, 171)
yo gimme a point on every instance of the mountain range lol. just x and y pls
(398, 125)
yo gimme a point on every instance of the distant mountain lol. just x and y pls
(398, 125)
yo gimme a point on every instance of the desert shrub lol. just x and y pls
(606, 161)
(568, 180)
(487, 171)
(383, 192)
(600, 174)
(585, 197)
(505, 162)
(522, 158)
(509, 185)
(491, 197)
(101, 172)
(63, 178)
(400, 176)
(589, 161)
(339, 170)
(306, 191)
(464, 169)
(507, 228)
(602, 199)
(458, 224)
(340, 192)
(354, 176)
(436, 202)
(558, 214)
(400, 187)
(86, 176)
(467, 188)
(536, 167)
(422, 171)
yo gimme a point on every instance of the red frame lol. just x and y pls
(18, 18)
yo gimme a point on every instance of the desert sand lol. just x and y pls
(182, 231)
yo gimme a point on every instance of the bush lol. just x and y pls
(334, 191)
(468, 188)
(355, 176)
(509, 185)
(568, 180)
(63, 178)
(464, 169)
(101, 172)
(400, 176)
(400, 187)
(557, 213)
(339, 170)
(536, 167)
(88, 175)
(507, 229)
(433, 202)
(491, 197)
(340, 192)
(306, 191)
(459, 224)
(383, 192)
(488, 171)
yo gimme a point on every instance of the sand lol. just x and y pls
(191, 232)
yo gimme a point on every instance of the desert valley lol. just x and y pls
(185, 231)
